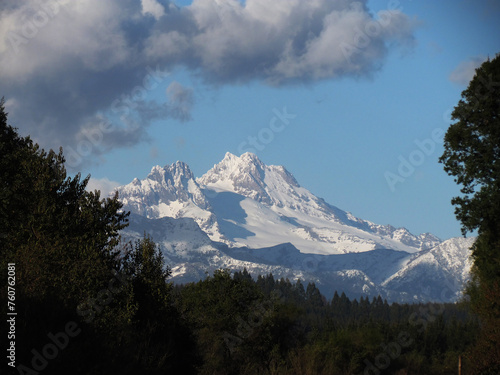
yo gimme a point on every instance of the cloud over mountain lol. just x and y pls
(67, 61)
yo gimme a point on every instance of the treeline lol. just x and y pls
(268, 326)
(83, 302)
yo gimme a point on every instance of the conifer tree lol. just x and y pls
(61, 238)
(472, 156)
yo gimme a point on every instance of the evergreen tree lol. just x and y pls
(61, 238)
(313, 295)
(472, 156)
(158, 339)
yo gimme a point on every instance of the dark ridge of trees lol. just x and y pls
(269, 326)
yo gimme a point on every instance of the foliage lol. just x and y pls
(472, 156)
(472, 150)
(294, 334)
(155, 336)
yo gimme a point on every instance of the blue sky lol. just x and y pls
(354, 122)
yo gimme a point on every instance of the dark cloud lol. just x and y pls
(180, 101)
(62, 62)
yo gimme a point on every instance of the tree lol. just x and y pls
(157, 339)
(472, 156)
(144, 267)
(472, 150)
(50, 225)
(61, 238)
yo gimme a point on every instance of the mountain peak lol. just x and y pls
(229, 156)
(247, 159)
(164, 192)
(174, 171)
(248, 156)
(245, 156)
(243, 174)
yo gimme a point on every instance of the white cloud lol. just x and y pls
(105, 185)
(11, 105)
(153, 8)
(227, 41)
(48, 38)
(65, 61)
(466, 70)
(282, 41)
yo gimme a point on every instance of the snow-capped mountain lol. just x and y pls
(243, 202)
(169, 191)
(442, 270)
(243, 213)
